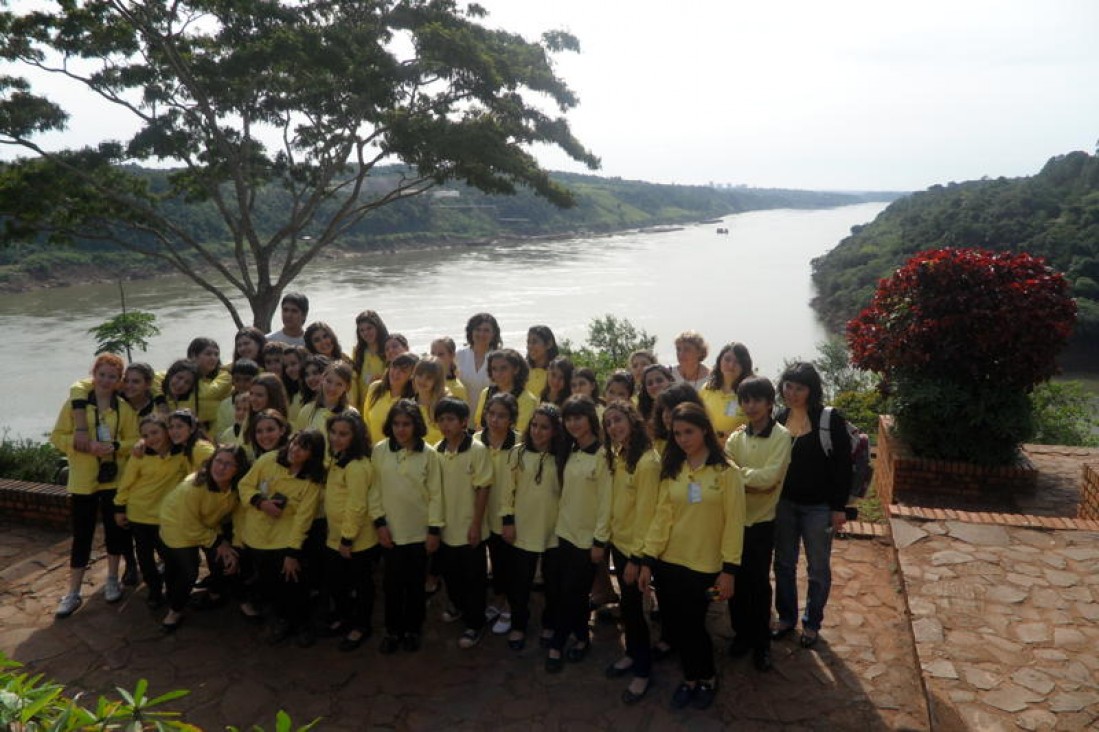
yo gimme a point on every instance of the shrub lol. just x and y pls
(24, 459)
(1063, 415)
(961, 336)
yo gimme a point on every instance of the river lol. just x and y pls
(752, 285)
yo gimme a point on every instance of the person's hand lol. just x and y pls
(473, 536)
(101, 449)
(345, 551)
(839, 518)
(629, 574)
(508, 533)
(270, 508)
(597, 553)
(228, 557)
(724, 586)
(385, 538)
(431, 543)
(644, 580)
(81, 441)
(120, 519)
(138, 449)
(291, 568)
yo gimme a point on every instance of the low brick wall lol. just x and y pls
(35, 504)
(1089, 493)
(902, 478)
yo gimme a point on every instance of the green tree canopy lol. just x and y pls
(244, 95)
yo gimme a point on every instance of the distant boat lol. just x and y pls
(722, 230)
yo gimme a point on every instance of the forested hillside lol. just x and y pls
(449, 214)
(1054, 214)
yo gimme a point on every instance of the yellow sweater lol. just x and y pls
(145, 482)
(762, 460)
(464, 471)
(346, 505)
(633, 502)
(499, 457)
(406, 491)
(210, 393)
(268, 479)
(699, 520)
(530, 497)
(191, 515)
(584, 512)
(376, 413)
(120, 421)
(723, 410)
(536, 382)
(527, 404)
(372, 369)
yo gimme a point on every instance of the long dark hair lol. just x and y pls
(361, 346)
(544, 334)
(360, 437)
(674, 457)
(275, 416)
(276, 393)
(314, 327)
(584, 406)
(183, 364)
(313, 441)
(240, 457)
(476, 320)
(639, 441)
(253, 334)
(408, 392)
(743, 357)
(197, 346)
(409, 408)
(668, 400)
(559, 444)
(644, 401)
(566, 368)
(197, 433)
(805, 374)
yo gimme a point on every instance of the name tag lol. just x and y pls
(103, 433)
(730, 408)
(694, 493)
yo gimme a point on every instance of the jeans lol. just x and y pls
(810, 525)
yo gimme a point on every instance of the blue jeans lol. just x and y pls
(811, 525)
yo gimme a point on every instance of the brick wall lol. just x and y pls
(1089, 493)
(36, 504)
(901, 477)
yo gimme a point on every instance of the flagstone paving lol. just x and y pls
(862, 675)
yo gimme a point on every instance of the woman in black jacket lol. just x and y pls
(814, 496)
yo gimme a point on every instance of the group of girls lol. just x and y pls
(328, 462)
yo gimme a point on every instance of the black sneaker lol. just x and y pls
(761, 659)
(704, 694)
(683, 695)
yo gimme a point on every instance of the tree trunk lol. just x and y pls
(264, 305)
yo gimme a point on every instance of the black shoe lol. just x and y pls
(206, 601)
(808, 638)
(739, 649)
(545, 641)
(761, 659)
(683, 695)
(130, 577)
(780, 631)
(578, 652)
(659, 653)
(630, 698)
(554, 665)
(172, 627)
(704, 694)
(411, 642)
(155, 600)
(279, 633)
(616, 672)
(389, 644)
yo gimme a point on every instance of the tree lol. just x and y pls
(306, 98)
(125, 331)
(610, 342)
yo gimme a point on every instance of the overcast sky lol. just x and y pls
(838, 94)
(832, 95)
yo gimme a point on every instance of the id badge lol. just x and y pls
(264, 489)
(694, 493)
(730, 408)
(103, 433)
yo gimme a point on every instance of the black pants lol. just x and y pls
(524, 565)
(180, 573)
(684, 601)
(85, 511)
(350, 583)
(499, 553)
(463, 570)
(750, 605)
(289, 598)
(568, 569)
(147, 545)
(636, 627)
(403, 577)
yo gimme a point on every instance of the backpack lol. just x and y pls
(861, 470)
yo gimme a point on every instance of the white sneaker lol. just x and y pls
(112, 591)
(491, 613)
(451, 614)
(68, 605)
(502, 624)
(470, 638)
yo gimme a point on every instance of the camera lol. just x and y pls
(107, 472)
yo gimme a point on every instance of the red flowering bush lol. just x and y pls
(961, 335)
(966, 314)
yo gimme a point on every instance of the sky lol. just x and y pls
(839, 95)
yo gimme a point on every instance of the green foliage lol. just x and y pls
(29, 703)
(1064, 414)
(25, 459)
(124, 332)
(862, 408)
(973, 422)
(610, 342)
(1054, 214)
(838, 374)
